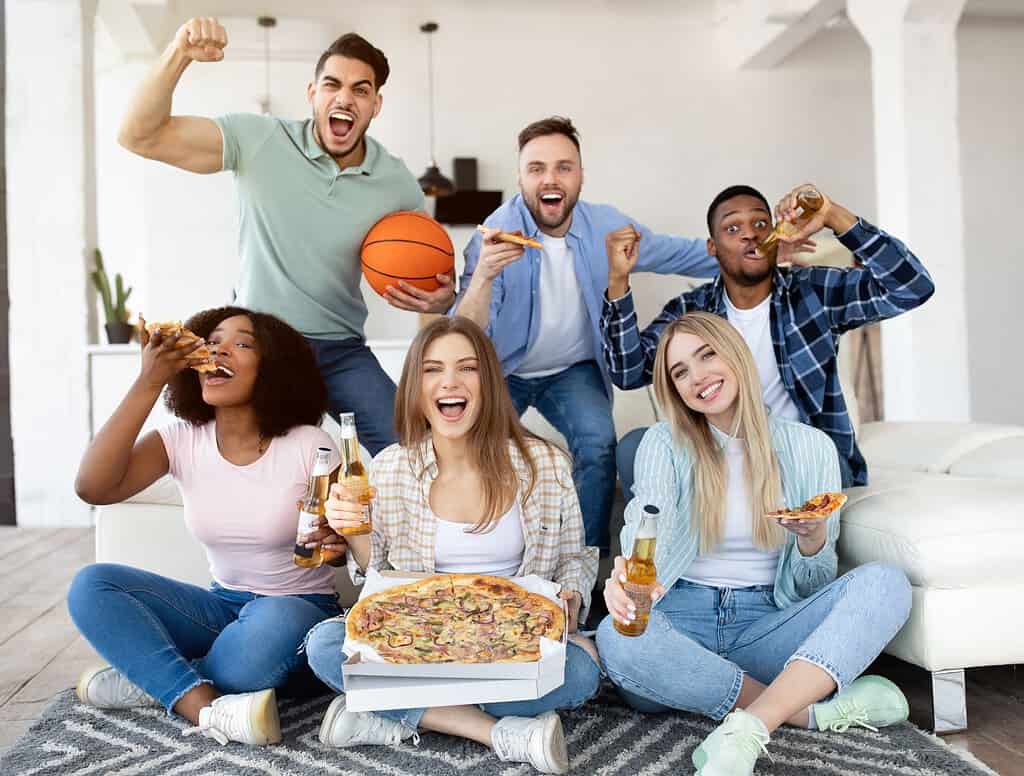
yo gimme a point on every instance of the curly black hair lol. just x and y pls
(289, 390)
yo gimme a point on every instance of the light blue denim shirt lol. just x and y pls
(664, 477)
(515, 299)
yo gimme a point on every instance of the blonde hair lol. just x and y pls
(692, 429)
(496, 425)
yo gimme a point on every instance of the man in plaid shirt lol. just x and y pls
(790, 318)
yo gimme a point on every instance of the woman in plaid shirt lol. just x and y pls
(466, 489)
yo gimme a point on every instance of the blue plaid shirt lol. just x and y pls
(810, 308)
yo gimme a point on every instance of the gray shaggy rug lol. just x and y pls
(605, 737)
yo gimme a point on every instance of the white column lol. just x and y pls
(51, 234)
(917, 152)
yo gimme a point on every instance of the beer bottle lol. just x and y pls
(311, 509)
(641, 576)
(352, 474)
(810, 202)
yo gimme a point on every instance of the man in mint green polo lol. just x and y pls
(308, 191)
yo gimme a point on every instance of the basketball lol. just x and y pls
(408, 246)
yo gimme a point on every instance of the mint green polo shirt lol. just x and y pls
(302, 221)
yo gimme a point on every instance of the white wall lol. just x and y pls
(665, 124)
(992, 133)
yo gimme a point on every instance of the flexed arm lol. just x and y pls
(148, 129)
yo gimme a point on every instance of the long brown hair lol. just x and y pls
(691, 429)
(496, 425)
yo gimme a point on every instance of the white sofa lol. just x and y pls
(945, 503)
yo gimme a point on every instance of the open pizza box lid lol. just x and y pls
(371, 684)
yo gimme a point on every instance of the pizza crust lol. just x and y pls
(815, 508)
(200, 359)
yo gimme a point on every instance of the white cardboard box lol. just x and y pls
(374, 686)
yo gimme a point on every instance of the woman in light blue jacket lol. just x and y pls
(750, 623)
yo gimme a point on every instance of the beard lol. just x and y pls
(551, 222)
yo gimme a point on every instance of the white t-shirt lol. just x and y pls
(735, 562)
(246, 516)
(755, 326)
(565, 336)
(498, 551)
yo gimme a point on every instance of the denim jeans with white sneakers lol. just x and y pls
(701, 640)
(168, 636)
(326, 640)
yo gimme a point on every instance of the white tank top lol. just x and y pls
(736, 562)
(499, 551)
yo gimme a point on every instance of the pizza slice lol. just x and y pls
(201, 359)
(516, 237)
(820, 506)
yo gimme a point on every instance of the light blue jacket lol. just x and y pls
(515, 298)
(664, 477)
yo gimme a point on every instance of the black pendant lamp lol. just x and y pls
(432, 182)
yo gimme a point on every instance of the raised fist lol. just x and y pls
(202, 39)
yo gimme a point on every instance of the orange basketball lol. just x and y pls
(408, 246)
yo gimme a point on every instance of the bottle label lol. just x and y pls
(640, 595)
(307, 525)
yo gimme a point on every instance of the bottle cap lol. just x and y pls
(652, 510)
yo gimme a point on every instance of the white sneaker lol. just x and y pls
(105, 687)
(342, 727)
(539, 741)
(248, 718)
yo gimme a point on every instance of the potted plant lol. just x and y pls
(119, 331)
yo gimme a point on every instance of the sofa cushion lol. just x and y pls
(1003, 459)
(927, 447)
(942, 531)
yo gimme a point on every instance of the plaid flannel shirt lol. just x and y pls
(404, 529)
(810, 308)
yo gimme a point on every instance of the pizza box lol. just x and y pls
(371, 684)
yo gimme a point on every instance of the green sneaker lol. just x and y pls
(732, 748)
(869, 702)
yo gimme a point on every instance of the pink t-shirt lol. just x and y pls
(245, 516)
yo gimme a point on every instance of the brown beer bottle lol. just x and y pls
(641, 575)
(352, 474)
(810, 202)
(311, 509)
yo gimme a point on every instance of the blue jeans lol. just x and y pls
(575, 403)
(357, 383)
(625, 457)
(701, 640)
(168, 637)
(582, 676)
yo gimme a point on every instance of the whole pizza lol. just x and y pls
(464, 618)
(814, 508)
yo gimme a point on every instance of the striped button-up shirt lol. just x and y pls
(404, 527)
(810, 308)
(664, 477)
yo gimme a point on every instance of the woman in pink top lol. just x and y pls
(241, 454)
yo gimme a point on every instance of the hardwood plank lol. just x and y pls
(53, 573)
(58, 675)
(13, 539)
(12, 730)
(28, 653)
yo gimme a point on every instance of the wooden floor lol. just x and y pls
(42, 654)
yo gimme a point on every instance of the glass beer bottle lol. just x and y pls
(810, 202)
(641, 576)
(352, 474)
(311, 509)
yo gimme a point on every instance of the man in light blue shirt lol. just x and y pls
(542, 307)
